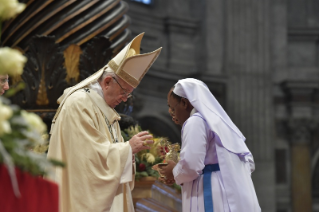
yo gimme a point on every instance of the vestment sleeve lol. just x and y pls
(127, 174)
(193, 152)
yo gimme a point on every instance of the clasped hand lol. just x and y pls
(140, 141)
(166, 172)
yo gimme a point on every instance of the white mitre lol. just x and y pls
(128, 64)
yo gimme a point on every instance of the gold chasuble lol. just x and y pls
(82, 139)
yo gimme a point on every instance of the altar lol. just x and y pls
(152, 195)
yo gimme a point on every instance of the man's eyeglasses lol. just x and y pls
(4, 80)
(128, 95)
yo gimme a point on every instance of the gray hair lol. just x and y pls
(107, 72)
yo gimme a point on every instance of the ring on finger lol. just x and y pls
(144, 143)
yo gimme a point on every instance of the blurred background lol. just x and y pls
(259, 58)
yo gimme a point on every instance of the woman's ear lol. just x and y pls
(184, 103)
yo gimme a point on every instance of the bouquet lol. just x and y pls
(145, 159)
(23, 137)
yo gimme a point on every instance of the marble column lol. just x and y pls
(249, 99)
(300, 137)
(301, 123)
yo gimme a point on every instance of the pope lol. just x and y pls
(86, 135)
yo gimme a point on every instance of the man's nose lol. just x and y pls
(124, 98)
(6, 86)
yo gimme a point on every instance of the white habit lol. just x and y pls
(210, 137)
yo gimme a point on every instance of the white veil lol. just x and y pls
(219, 122)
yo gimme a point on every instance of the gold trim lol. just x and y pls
(12, 19)
(113, 65)
(118, 32)
(127, 78)
(101, 29)
(70, 17)
(86, 23)
(27, 19)
(43, 20)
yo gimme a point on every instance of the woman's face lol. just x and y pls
(4, 83)
(177, 109)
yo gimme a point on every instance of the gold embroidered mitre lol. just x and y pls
(130, 65)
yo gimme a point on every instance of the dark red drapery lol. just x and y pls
(37, 194)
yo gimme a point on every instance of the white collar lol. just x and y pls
(193, 111)
(97, 87)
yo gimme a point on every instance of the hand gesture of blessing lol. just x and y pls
(140, 141)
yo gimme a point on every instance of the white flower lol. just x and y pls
(149, 157)
(11, 61)
(34, 122)
(9, 8)
(41, 148)
(6, 113)
(36, 132)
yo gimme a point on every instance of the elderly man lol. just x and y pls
(215, 163)
(4, 83)
(85, 134)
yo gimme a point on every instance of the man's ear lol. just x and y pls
(106, 82)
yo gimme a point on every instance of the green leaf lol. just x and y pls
(57, 163)
(144, 174)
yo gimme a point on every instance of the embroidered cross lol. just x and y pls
(87, 90)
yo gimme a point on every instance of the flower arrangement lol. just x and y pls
(11, 61)
(145, 159)
(23, 138)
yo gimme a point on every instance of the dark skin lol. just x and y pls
(180, 111)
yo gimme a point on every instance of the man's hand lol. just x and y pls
(140, 141)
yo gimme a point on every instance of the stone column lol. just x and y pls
(301, 123)
(300, 137)
(247, 53)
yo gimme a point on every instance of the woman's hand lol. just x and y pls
(166, 181)
(167, 170)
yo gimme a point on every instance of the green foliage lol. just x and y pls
(146, 168)
(13, 90)
(18, 144)
(177, 187)
(145, 159)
